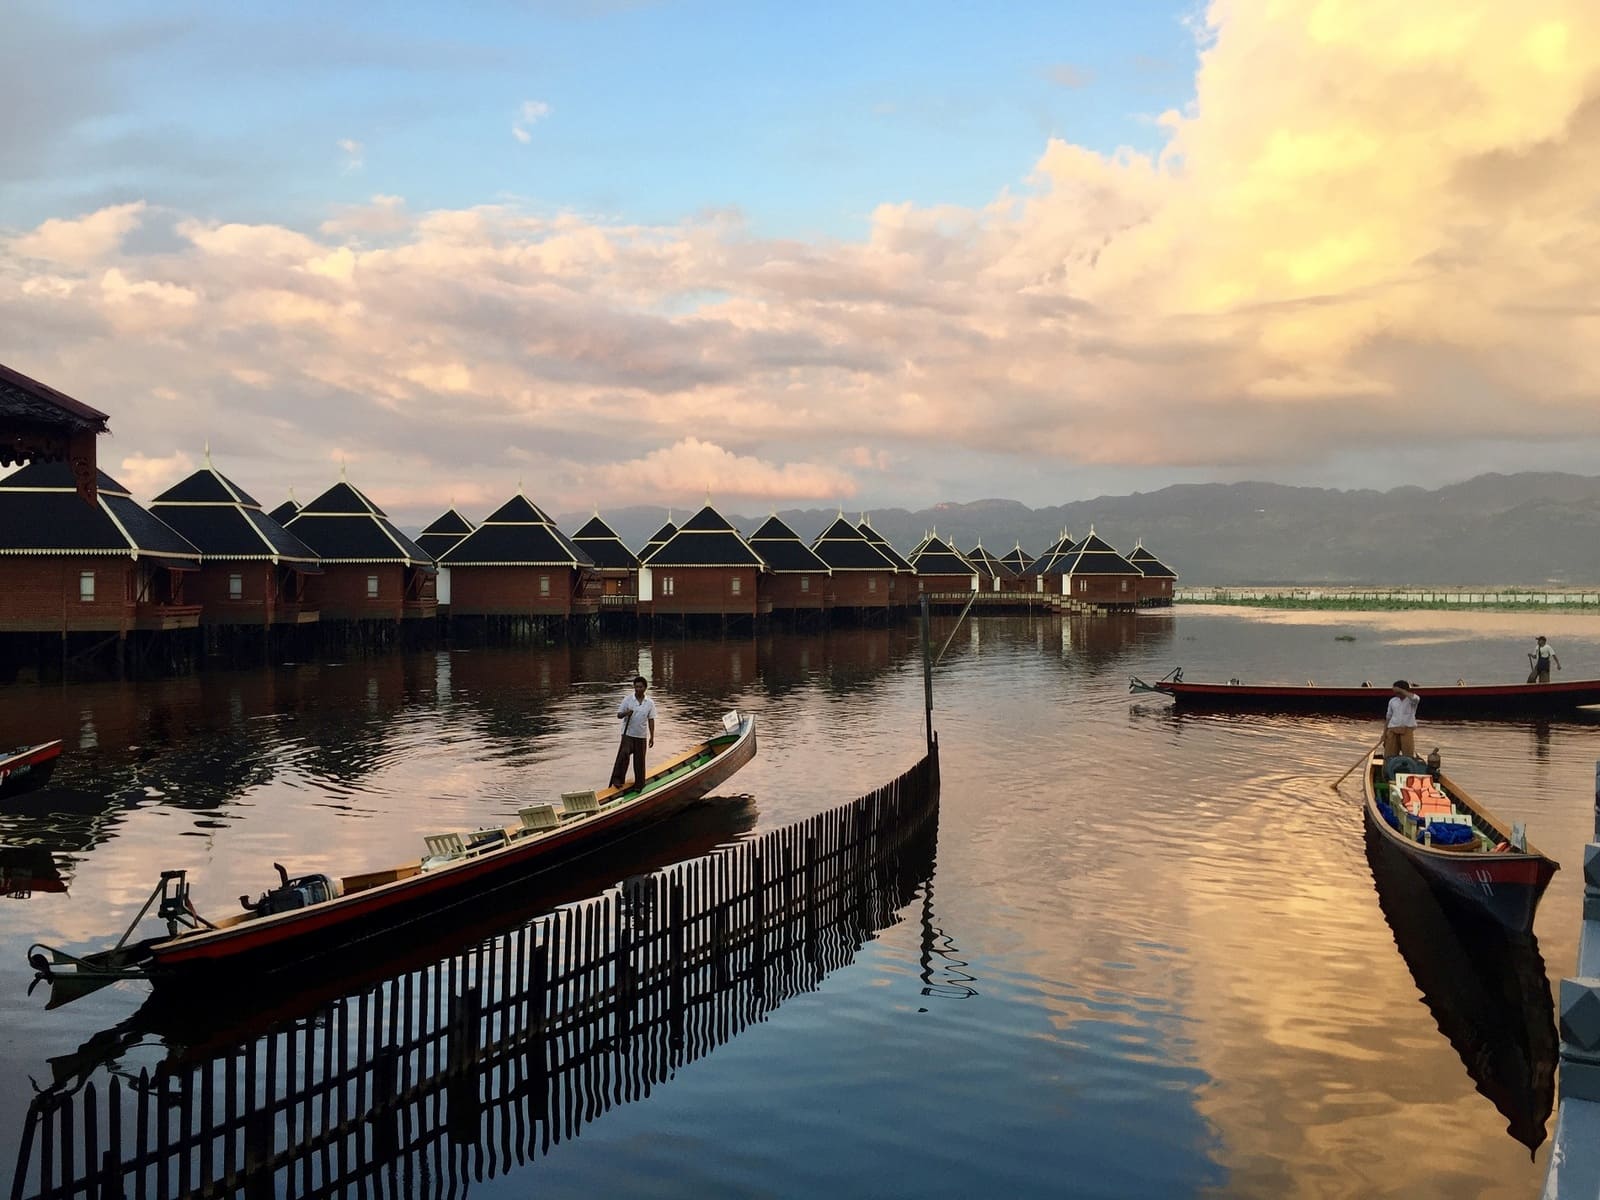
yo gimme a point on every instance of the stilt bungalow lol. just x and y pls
(370, 570)
(1097, 574)
(795, 580)
(860, 575)
(109, 568)
(615, 566)
(1049, 571)
(1017, 561)
(992, 573)
(442, 534)
(900, 586)
(286, 511)
(518, 564)
(941, 569)
(253, 571)
(704, 569)
(1159, 579)
(40, 424)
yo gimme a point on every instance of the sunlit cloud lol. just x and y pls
(1372, 222)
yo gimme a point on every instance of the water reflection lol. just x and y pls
(1486, 988)
(420, 1078)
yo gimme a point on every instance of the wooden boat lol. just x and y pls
(1485, 985)
(1468, 855)
(1484, 700)
(27, 767)
(313, 915)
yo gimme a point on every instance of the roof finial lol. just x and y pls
(519, 485)
(708, 495)
(343, 476)
(292, 500)
(669, 516)
(208, 452)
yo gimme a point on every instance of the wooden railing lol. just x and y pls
(487, 1058)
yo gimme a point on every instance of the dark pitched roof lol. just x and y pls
(41, 513)
(935, 556)
(1149, 565)
(782, 550)
(1017, 560)
(343, 526)
(601, 543)
(901, 563)
(27, 402)
(445, 531)
(845, 548)
(987, 564)
(704, 540)
(1093, 556)
(517, 534)
(1054, 560)
(286, 511)
(658, 539)
(224, 522)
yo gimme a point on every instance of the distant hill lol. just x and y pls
(1530, 528)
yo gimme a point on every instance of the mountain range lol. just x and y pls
(1532, 529)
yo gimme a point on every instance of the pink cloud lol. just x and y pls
(690, 468)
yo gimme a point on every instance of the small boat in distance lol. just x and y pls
(27, 767)
(1468, 855)
(1486, 701)
(313, 915)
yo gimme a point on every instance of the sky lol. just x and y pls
(619, 252)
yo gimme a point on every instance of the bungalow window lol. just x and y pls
(235, 587)
(805, 583)
(86, 587)
(872, 583)
(735, 584)
(544, 585)
(919, 585)
(1083, 585)
(372, 587)
(1124, 585)
(666, 585)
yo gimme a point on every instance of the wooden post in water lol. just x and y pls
(927, 674)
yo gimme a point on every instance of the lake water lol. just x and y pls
(1148, 960)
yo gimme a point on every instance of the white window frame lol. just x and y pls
(735, 585)
(805, 583)
(85, 587)
(236, 586)
(372, 587)
(544, 585)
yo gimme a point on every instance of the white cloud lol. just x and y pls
(354, 155)
(147, 477)
(691, 468)
(82, 240)
(529, 115)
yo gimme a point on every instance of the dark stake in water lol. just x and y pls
(1149, 957)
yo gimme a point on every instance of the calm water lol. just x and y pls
(1162, 968)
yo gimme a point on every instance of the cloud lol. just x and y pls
(1068, 75)
(529, 115)
(82, 240)
(354, 155)
(148, 477)
(1372, 223)
(691, 467)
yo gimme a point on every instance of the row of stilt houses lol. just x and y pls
(205, 569)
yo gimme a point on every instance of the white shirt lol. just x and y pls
(1403, 712)
(640, 713)
(1545, 652)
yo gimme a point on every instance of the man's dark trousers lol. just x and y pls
(631, 747)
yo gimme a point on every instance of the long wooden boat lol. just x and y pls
(27, 767)
(1483, 863)
(1484, 700)
(314, 915)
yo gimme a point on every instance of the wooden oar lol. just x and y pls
(1367, 757)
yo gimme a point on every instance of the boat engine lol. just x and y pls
(290, 894)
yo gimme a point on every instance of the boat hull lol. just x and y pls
(1510, 701)
(1505, 886)
(273, 945)
(28, 768)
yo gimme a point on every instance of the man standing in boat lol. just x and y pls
(638, 717)
(1540, 659)
(1400, 729)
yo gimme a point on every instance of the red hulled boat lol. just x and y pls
(28, 767)
(1482, 700)
(1468, 855)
